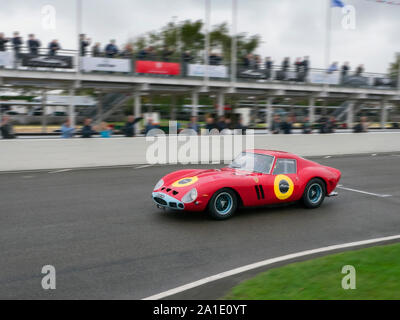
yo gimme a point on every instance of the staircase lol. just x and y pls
(110, 103)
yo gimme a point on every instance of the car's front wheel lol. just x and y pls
(314, 193)
(223, 204)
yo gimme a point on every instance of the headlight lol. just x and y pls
(190, 196)
(159, 184)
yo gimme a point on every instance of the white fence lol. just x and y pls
(33, 154)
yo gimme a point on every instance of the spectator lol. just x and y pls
(111, 50)
(345, 69)
(240, 126)
(187, 56)
(83, 43)
(3, 41)
(210, 125)
(54, 46)
(17, 43)
(166, 54)
(66, 130)
(286, 126)
(327, 125)
(129, 128)
(142, 55)
(87, 130)
(268, 67)
(285, 64)
(186, 59)
(33, 45)
(333, 67)
(150, 126)
(306, 66)
(104, 130)
(6, 128)
(193, 124)
(359, 70)
(307, 128)
(228, 123)
(246, 61)
(362, 126)
(298, 65)
(257, 62)
(150, 53)
(128, 52)
(214, 59)
(221, 125)
(276, 125)
(96, 50)
(332, 124)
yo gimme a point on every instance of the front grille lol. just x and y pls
(172, 204)
(160, 201)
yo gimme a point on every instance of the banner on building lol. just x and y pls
(44, 61)
(6, 59)
(199, 70)
(325, 78)
(89, 64)
(155, 67)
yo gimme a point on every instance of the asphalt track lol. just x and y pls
(106, 239)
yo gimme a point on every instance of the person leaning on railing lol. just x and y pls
(33, 45)
(129, 128)
(6, 128)
(17, 43)
(3, 41)
(83, 43)
(96, 50)
(54, 46)
(111, 50)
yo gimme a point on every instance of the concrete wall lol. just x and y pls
(32, 154)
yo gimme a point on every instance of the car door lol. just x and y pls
(284, 182)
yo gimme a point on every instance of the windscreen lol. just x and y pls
(253, 162)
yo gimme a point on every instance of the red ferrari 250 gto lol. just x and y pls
(254, 178)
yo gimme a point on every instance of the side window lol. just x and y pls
(285, 166)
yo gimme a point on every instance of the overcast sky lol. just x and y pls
(288, 27)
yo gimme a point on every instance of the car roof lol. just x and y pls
(274, 153)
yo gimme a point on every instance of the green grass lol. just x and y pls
(377, 277)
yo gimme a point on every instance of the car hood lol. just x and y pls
(184, 180)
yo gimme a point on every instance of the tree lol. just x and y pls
(394, 67)
(192, 37)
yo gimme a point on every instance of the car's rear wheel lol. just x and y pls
(314, 193)
(223, 204)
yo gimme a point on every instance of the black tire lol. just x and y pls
(314, 193)
(223, 204)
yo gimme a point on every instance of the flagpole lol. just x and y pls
(327, 41)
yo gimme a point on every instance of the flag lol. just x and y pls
(337, 3)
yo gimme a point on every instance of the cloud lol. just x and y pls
(288, 27)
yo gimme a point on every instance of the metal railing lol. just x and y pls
(172, 65)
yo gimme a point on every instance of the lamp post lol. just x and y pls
(234, 43)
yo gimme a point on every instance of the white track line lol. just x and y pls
(365, 192)
(144, 166)
(265, 263)
(59, 171)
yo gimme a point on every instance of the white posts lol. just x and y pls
(207, 40)
(311, 110)
(71, 108)
(269, 112)
(350, 115)
(195, 103)
(137, 107)
(383, 114)
(221, 103)
(234, 43)
(44, 115)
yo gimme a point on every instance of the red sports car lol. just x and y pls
(254, 178)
